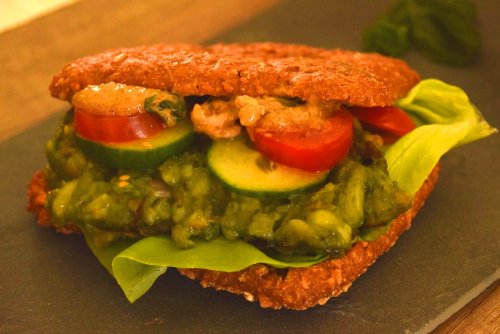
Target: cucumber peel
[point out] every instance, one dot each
(139, 154)
(246, 171)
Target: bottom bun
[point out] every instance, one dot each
(294, 288)
(302, 288)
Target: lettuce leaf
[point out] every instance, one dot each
(136, 265)
(446, 118)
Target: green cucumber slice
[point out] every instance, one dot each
(139, 154)
(246, 171)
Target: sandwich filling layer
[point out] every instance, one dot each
(187, 196)
(233, 162)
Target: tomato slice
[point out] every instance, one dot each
(116, 128)
(390, 122)
(313, 152)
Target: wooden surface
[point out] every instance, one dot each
(26, 70)
(14, 13)
(481, 315)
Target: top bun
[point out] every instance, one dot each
(256, 69)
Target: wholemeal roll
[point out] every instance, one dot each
(262, 69)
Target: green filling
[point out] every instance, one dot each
(184, 200)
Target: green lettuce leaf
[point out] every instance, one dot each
(446, 118)
(136, 265)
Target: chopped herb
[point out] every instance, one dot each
(170, 107)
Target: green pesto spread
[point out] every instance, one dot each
(183, 199)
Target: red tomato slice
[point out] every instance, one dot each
(116, 129)
(390, 122)
(313, 152)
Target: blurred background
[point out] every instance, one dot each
(16, 12)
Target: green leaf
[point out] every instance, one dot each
(413, 157)
(387, 37)
(443, 30)
(136, 265)
(433, 101)
(447, 119)
(390, 34)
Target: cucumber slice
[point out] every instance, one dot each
(139, 154)
(246, 171)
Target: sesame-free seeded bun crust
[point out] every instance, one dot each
(258, 69)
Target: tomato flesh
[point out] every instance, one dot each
(390, 122)
(116, 128)
(313, 152)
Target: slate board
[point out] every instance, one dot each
(52, 283)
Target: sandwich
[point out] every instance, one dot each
(273, 171)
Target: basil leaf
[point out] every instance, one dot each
(442, 30)
(387, 37)
(390, 35)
